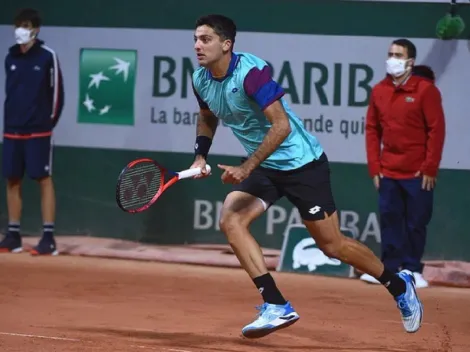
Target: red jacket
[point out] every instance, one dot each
(409, 122)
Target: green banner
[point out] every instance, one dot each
(189, 212)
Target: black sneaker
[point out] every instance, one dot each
(45, 247)
(11, 244)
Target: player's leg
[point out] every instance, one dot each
(394, 241)
(239, 210)
(39, 168)
(419, 208)
(401, 286)
(13, 169)
(241, 207)
(311, 190)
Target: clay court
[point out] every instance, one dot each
(70, 303)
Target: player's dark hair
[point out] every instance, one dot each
(223, 26)
(410, 47)
(28, 15)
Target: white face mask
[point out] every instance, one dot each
(396, 67)
(23, 35)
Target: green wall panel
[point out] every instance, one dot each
(85, 184)
(364, 18)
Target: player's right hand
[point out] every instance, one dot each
(200, 162)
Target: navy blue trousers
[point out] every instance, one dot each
(405, 212)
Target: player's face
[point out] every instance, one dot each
(209, 47)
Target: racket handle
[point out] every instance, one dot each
(192, 172)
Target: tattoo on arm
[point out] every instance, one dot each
(206, 124)
(278, 132)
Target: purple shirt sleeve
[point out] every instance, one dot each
(202, 103)
(259, 86)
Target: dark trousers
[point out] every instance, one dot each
(405, 212)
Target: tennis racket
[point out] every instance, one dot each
(143, 181)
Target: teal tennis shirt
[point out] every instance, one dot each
(239, 99)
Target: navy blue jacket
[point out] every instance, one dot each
(34, 91)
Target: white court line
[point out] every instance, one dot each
(76, 340)
(159, 349)
(38, 336)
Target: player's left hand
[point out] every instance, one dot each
(429, 182)
(233, 174)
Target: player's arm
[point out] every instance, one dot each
(206, 123)
(373, 138)
(206, 127)
(260, 86)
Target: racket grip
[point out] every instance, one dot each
(192, 172)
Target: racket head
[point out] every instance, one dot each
(139, 185)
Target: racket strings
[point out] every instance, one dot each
(139, 185)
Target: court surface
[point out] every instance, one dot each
(72, 304)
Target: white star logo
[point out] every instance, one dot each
(96, 79)
(89, 104)
(121, 67)
(105, 110)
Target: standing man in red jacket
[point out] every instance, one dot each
(405, 131)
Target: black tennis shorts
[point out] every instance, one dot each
(308, 188)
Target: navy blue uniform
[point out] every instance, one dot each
(33, 104)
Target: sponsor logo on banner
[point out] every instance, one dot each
(279, 220)
(325, 85)
(300, 254)
(107, 85)
(307, 254)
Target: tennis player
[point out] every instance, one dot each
(284, 159)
